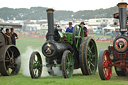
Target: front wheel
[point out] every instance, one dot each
(67, 64)
(105, 65)
(35, 65)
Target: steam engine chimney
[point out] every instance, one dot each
(50, 34)
(122, 16)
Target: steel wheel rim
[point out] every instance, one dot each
(107, 70)
(92, 56)
(37, 66)
(69, 65)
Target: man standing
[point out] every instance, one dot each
(8, 35)
(14, 36)
(84, 28)
(70, 28)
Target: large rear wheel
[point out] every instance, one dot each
(35, 65)
(88, 56)
(105, 65)
(10, 61)
(67, 64)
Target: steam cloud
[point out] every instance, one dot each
(25, 61)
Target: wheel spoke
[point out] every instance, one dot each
(104, 71)
(8, 54)
(12, 54)
(7, 61)
(90, 67)
(77, 31)
(89, 50)
(89, 59)
(35, 70)
(105, 65)
(93, 56)
(92, 47)
(38, 72)
(36, 58)
(92, 64)
(77, 43)
(88, 54)
(68, 65)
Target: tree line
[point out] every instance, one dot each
(38, 13)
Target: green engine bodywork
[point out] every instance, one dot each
(67, 37)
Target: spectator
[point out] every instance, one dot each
(84, 28)
(14, 36)
(8, 35)
(70, 28)
(1, 30)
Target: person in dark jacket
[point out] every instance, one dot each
(14, 36)
(84, 28)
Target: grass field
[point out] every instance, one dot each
(99, 36)
(77, 79)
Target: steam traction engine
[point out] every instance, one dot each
(116, 55)
(70, 51)
(9, 54)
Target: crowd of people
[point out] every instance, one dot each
(70, 28)
(11, 36)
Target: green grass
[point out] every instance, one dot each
(24, 42)
(77, 79)
(99, 36)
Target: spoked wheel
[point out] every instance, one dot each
(35, 65)
(10, 61)
(78, 34)
(120, 72)
(67, 64)
(104, 65)
(88, 56)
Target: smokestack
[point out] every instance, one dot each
(122, 16)
(50, 34)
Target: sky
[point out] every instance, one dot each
(73, 5)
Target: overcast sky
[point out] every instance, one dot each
(73, 5)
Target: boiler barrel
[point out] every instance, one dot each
(55, 49)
